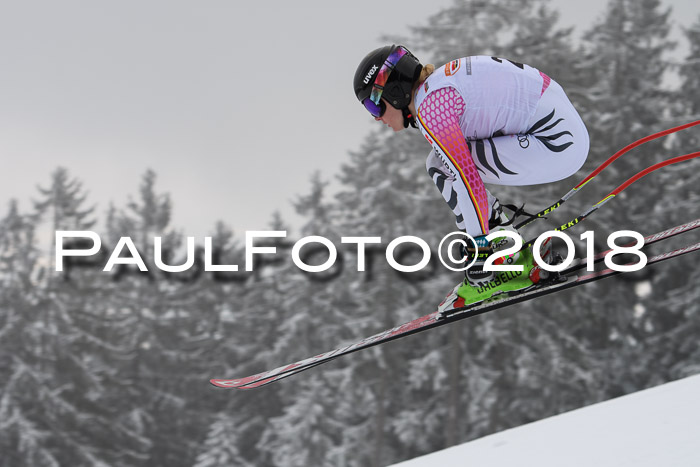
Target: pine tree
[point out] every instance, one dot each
(168, 321)
(61, 207)
(625, 54)
(307, 318)
(250, 337)
(24, 435)
(63, 203)
(667, 318)
(687, 98)
(145, 218)
(53, 374)
(626, 57)
(220, 445)
(387, 193)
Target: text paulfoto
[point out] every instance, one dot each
(73, 244)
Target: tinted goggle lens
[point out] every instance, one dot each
(375, 110)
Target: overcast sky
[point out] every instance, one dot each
(232, 104)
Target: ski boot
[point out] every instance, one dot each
(480, 286)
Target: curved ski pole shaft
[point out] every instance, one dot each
(617, 191)
(600, 168)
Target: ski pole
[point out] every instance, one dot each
(618, 190)
(600, 168)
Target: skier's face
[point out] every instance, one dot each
(392, 117)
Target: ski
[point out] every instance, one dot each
(569, 279)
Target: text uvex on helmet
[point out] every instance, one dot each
(388, 72)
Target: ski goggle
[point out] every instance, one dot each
(374, 104)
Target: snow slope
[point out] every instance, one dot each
(655, 427)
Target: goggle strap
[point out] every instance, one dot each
(385, 71)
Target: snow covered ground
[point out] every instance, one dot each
(656, 427)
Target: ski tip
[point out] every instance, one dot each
(224, 383)
(241, 384)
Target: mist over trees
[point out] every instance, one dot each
(112, 368)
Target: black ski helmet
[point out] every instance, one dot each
(401, 78)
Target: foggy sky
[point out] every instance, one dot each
(233, 105)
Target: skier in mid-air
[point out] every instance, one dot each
(488, 120)
(496, 121)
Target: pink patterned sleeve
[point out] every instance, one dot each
(438, 116)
